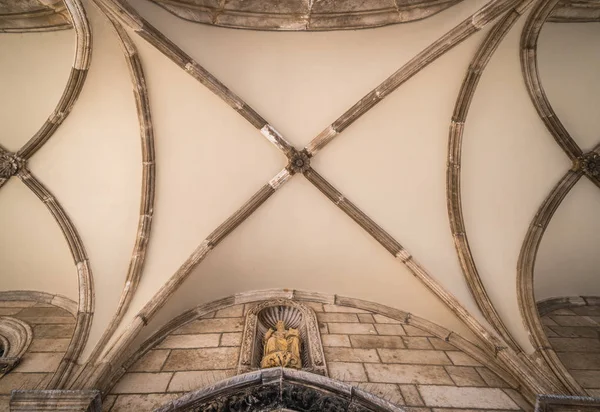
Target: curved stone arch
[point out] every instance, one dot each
(277, 388)
(15, 337)
(116, 369)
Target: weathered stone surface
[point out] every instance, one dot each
(49, 345)
(576, 360)
(372, 342)
(385, 319)
(417, 374)
(575, 344)
(53, 331)
(191, 341)
(129, 403)
(586, 310)
(187, 381)
(55, 400)
(235, 311)
(352, 328)
(411, 395)
(16, 380)
(152, 361)
(212, 326)
(389, 392)
(462, 359)
(365, 318)
(412, 331)
(9, 311)
(202, 359)
(575, 321)
(465, 376)
(39, 362)
(342, 309)
(336, 340)
(574, 331)
(231, 339)
(40, 312)
(491, 379)
(337, 317)
(389, 329)
(587, 379)
(453, 397)
(439, 344)
(347, 372)
(142, 383)
(107, 402)
(350, 355)
(423, 357)
(17, 303)
(417, 342)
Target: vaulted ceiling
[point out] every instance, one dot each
(146, 183)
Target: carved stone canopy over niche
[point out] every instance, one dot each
(282, 332)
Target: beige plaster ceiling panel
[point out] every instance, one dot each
(300, 240)
(568, 262)
(301, 82)
(33, 252)
(510, 163)
(392, 164)
(569, 64)
(32, 80)
(93, 166)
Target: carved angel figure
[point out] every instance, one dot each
(281, 347)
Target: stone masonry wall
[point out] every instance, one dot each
(400, 363)
(574, 334)
(52, 330)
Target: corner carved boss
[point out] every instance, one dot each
(589, 163)
(10, 164)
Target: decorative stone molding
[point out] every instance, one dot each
(279, 389)
(10, 164)
(556, 403)
(15, 337)
(299, 162)
(265, 315)
(55, 400)
(305, 15)
(590, 164)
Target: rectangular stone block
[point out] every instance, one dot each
(575, 321)
(188, 381)
(415, 374)
(410, 356)
(365, 318)
(546, 320)
(352, 328)
(49, 345)
(479, 398)
(55, 400)
(465, 376)
(316, 306)
(40, 320)
(335, 340)
(440, 344)
(15, 380)
(9, 311)
(151, 361)
(207, 340)
(461, 359)
(387, 391)
(413, 331)
(575, 344)
(37, 312)
(347, 372)
(374, 342)
(39, 362)
(231, 339)
(587, 379)
(212, 326)
(350, 355)
(389, 329)
(337, 317)
(202, 359)
(235, 311)
(53, 331)
(411, 395)
(385, 319)
(574, 331)
(587, 310)
(578, 360)
(16, 303)
(491, 379)
(142, 383)
(149, 402)
(342, 309)
(417, 342)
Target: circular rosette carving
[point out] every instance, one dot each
(299, 162)
(10, 165)
(590, 164)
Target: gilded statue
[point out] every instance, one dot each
(281, 347)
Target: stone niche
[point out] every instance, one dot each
(264, 316)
